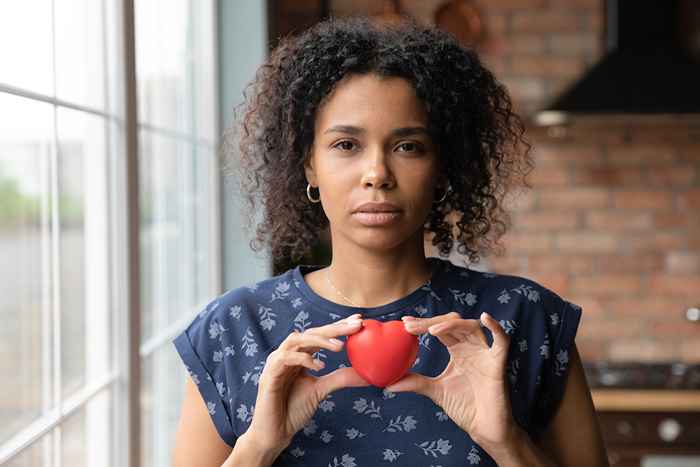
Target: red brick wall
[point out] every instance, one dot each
(613, 220)
(613, 223)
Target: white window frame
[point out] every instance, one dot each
(122, 291)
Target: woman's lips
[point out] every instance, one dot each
(376, 218)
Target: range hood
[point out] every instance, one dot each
(651, 64)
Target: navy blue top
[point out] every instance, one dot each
(225, 347)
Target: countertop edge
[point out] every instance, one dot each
(646, 400)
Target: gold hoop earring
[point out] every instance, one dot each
(308, 194)
(447, 190)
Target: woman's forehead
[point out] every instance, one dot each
(369, 101)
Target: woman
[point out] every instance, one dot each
(384, 135)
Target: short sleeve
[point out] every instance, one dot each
(198, 345)
(561, 322)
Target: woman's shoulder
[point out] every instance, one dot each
(263, 292)
(502, 290)
(246, 311)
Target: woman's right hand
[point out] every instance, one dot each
(288, 396)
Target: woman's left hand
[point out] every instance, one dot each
(472, 389)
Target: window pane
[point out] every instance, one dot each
(25, 45)
(163, 63)
(114, 57)
(203, 207)
(162, 392)
(85, 436)
(204, 69)
(168, 191)
(26, 140)
(83, 209)
(80, 52)
(37, 455)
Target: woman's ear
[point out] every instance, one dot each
(309, 169)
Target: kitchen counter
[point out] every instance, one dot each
(646, 400)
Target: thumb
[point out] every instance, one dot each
(413, 382)
(338, 379)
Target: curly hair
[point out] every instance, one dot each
(470, 118)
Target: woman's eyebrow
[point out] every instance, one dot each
(354, 130)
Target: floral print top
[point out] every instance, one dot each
(225, 347)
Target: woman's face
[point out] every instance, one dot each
(371, 145)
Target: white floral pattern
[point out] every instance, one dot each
(327, 405)
(433, 448)
(473, 456)
(508, 325)
(253, 375)
(235, 312)
(560, 363)
(361, 406)
(248, 344)
(301, 322)
(391, 454)
(245, 413)
(528, 291)
(401, 424)
(353, 433)
(267, 321)
(464, 297)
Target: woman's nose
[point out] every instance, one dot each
(378, 178)
(378, 174)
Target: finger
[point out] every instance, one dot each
(280, 364)
(344, 327)
(463, 330)
(415, 382)
(421, 325)
(501, 340)
(285, 359)
(297, 339)
(310, 343)
(338, 379)
(444, 334)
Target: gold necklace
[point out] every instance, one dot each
(328, 278)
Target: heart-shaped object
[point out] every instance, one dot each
(382, 352)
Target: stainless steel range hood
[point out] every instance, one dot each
(651, 64)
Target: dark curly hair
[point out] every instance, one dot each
(479, 138)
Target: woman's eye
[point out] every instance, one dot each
(406, 147)
(413, 147)
(346, 147)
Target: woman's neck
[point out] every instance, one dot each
(358, 277)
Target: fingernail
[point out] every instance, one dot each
(408, 318)
(354, 322)
(335, 341)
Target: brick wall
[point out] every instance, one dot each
(613, 220)
(613, 223)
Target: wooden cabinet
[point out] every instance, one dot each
(630, 436)
(639, 425)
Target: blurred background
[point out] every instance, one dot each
(117, 225)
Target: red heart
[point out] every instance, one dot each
(382, 352)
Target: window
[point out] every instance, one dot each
(64, 136)
(175, 44)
